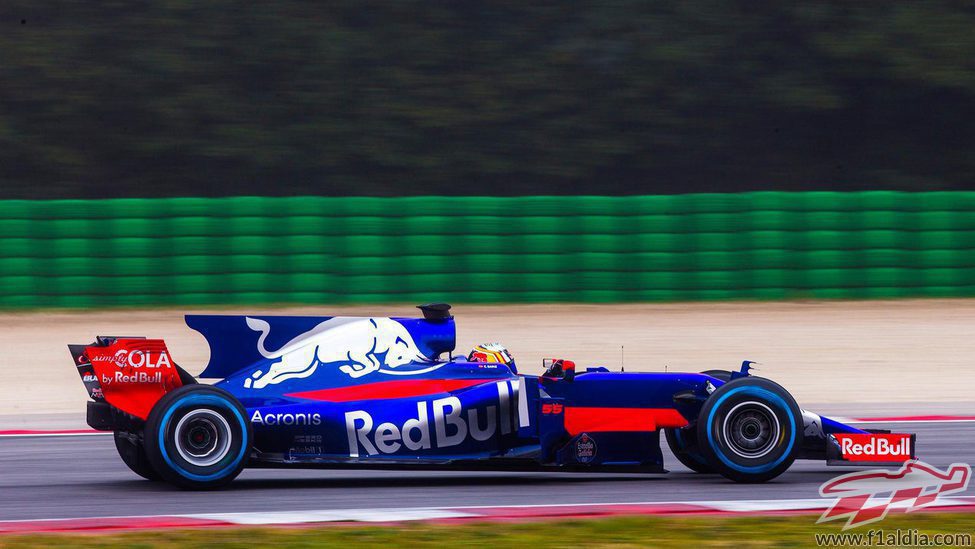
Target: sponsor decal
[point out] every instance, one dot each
(133, 374)
(89, 377)
(306, 445)
(308, 439)
(865, 497)
(285, 419)
(135, 377)
(875, 447)
(451, 426)
(82, 359)
(357, 347)
(552, 409)
(96, 392)
(585, 449)
(137, 359)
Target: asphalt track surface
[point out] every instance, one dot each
(48, 477)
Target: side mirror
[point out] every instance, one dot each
(569, 369)
(559, 368)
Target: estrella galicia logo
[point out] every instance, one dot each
(585, 449)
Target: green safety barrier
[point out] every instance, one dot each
(239, 250)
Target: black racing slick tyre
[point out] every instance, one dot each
(683, 444)
(723, 375)
(750, 430)
(133, 454)
(198, 437)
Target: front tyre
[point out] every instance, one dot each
(198, 437)
(750, 430)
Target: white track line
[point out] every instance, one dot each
(332, 515)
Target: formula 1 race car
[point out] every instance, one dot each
(347, 392)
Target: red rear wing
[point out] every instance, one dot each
(131, 374)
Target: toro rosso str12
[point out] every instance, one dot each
(340, 392)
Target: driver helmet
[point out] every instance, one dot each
(494, 353)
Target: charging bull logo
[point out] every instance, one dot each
(357, 346)
(866, 496)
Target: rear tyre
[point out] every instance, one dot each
(197, 437)
(133, 454)
(750, 430)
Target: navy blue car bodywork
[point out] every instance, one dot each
(334, 392)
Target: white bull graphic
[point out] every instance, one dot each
(364, 345)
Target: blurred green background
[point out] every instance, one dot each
(758, 245)
(225, 152)
(217, 98)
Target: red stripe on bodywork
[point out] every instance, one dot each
(590, 420)
(391, 389)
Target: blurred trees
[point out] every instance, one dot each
(174, 97)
